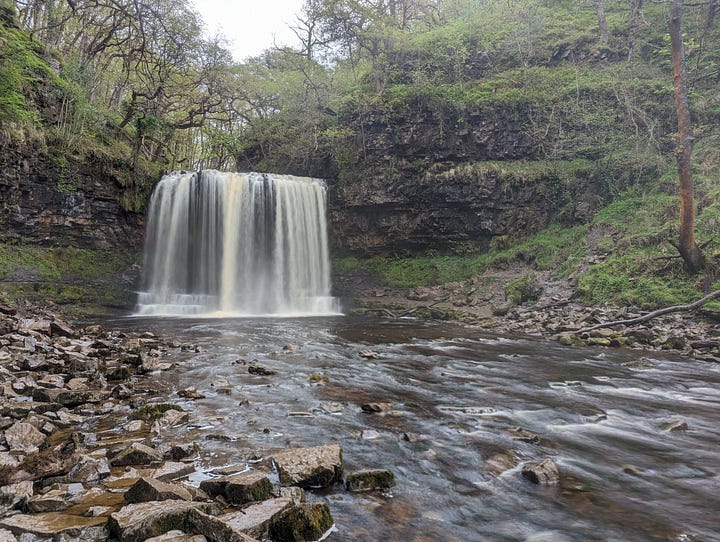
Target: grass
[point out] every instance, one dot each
(623, 257)
(60, 263)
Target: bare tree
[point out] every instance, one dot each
(691, 254)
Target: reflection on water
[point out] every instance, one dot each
(458, 397)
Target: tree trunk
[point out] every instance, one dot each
(635, 11)
(687, 247)
(602, 22)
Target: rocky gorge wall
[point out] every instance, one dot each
(74, 202)
(431, 180)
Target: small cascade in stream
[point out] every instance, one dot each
(236, 244)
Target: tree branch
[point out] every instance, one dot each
(661, 312)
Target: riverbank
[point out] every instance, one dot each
(554, 313)
(85, 454)
(97, 421)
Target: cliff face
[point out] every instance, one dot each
(429, 180)
(73, 202)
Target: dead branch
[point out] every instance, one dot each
(660, 312)
(408, 312)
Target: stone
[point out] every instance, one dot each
(182, 451)
(7, 536)
(149, 489)
(524, 435)
(140, 521)
(15, 495)
(23, 437)
(368, 354)
(133, 426)
(172, 470)
(373, 408)
(294, 493)
(305, 522)
(543, 472)
(312, 467)
(173, 417)
(259, 370)
(239, 488)
(69, 398)
(89, 469)
(55, 525)
(177, 536)
(248, 487)
(97, 511)
(369, 480)
(58, 328)
(221, 531)
(255, 519)
(136, 454)
(414, 437)
(191, 393)
(52, 501)
(675, 425)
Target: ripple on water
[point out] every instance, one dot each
(456, 396)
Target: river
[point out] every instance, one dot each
(458, 394)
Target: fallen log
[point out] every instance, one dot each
(651, 315)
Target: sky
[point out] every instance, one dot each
(250, 25)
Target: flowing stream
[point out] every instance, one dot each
(459, 394)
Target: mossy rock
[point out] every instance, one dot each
(369, 480)
(304, 522)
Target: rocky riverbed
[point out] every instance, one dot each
(84, 448)
(82, 458)
(555, 314)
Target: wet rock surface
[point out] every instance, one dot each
(59, 480)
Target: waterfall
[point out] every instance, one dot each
(236, 244)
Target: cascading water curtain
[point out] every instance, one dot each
(236, 244)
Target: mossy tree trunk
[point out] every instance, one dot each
(691, 254)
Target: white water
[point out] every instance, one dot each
(236, 244)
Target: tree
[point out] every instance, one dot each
(691, 254)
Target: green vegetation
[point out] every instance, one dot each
(594, 114)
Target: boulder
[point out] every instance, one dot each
(7, 536)
(136, 454)
(53, 501)
(55, 525)
(138, 522)
(304, 522)
(239, 488)
(15, 495)
(172, 470)
(23, 437)
(89, 469)
(369, 480)
(313, 467)
(58, 328)
(181, 451)
(253, 520)
(149, 489)
(543, 472)
(216, 529)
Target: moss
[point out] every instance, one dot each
(304, 522)
(524, 290)
(368, 480)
